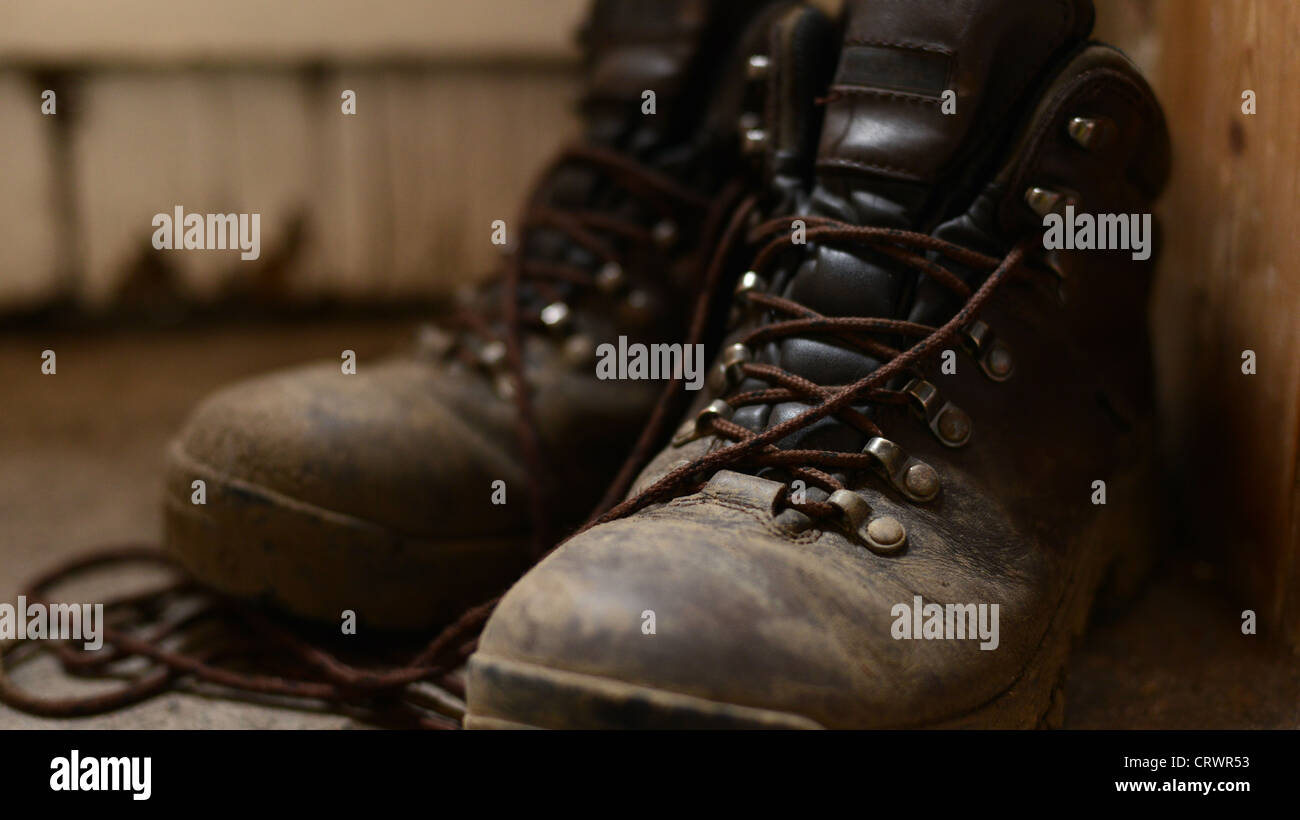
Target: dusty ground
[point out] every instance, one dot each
(81, 456)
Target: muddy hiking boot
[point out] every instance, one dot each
(929, 436)
(381, 491)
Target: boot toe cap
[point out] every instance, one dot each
(324, 492)
(745, 617)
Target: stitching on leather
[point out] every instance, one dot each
(905, 96)
(864, 41)
(910, 171)
(868, 166)
(808, 536)
(947, 52)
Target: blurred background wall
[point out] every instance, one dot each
(236, 107)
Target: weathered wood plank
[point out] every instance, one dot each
(1229, 280)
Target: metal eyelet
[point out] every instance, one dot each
(949, 423)
(753, 141)
(910, 476)
(433, 342)
(993, 355)
(693, 429)
(757, 67)
(578, 350)
(504, 384)
(493, 355)
(557, 317)
(664, 233)
(853, 507)
(730, 369)
(492, 358)
(975, 336)
(742, 309)
(1092, 133)
(636, 308)
(610, 278)
(749, 282)
(1044, 201)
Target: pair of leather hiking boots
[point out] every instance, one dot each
(926, 439)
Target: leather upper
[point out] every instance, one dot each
(761, 606)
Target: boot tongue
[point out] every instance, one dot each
(890, 117)
(630, 47)
(890, 157)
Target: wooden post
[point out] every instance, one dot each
(1229, 280)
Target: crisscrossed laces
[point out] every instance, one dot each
(592, 231)
(759, 449)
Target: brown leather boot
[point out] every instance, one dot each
(377, 491)
(891, 514)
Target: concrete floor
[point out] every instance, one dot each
(82, 458)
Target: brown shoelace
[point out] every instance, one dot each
(140, 626)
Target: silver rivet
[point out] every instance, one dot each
(665, 233)
(953, 426)
(749, 282)
(492, 355)
(433, 341)
(555, 315)
(638, 300)
(922, 480)
(1091, 133)
(1044, 201)
(756, 67)
(636, 308)
(754, 141)
(505, 386)
(578, 349)
(610, 277)
(885, 535)
(999, 362)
